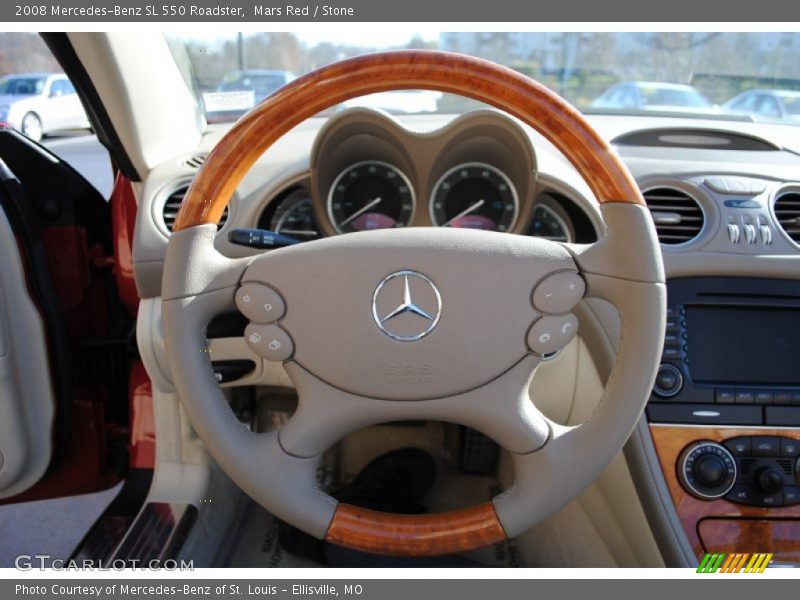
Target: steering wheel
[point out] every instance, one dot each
(421, 323)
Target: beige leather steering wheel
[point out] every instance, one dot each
(420, 323)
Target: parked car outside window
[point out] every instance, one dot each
(39, 104)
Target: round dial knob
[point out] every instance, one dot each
(669, 381)
(707, 470)
(769, 480)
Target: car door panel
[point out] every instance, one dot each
(27, 405)
(60, 228)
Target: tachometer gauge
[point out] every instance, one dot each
(370, 195)
(475, 196)
(550, 221)
(295, 217)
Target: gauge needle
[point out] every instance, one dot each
(465, 212)
(360, 211)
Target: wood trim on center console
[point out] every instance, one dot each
(720, 519)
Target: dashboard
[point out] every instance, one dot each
(724, 195)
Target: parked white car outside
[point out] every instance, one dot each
(38, 104)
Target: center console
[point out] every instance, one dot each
(725, 413)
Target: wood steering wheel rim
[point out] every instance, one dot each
(498, 86)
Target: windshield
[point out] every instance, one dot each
(22, 86)
(627, 73)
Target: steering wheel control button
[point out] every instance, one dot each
(260, 303)
(669, 381)
(550, 334)
(406, 306)
(559, 293)
(707, 470)
(269, 341)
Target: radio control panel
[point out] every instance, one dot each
(728, 353)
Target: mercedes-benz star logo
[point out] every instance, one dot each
(406, 306)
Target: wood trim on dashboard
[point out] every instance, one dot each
(732, 536)
(696, 515)
(498, 86)
(415, 535)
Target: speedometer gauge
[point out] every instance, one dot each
(475, 196)
(370, 195)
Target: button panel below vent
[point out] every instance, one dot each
(173, 203)
(678, 217)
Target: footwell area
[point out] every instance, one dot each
(258, 544)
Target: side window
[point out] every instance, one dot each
(615, 97)
(58, 88)
(747, 103)
(768, 106)
(61, 126)
(628, 99)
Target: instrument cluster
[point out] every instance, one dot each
(369, 172)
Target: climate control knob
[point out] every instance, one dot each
(769, 480)
(707, 470)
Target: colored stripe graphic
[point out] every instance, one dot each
(735, 563)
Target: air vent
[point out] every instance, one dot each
(746, 464)
(787, 211)
(678, 216)
(787, 464)
(196, 161)
(173, 203)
